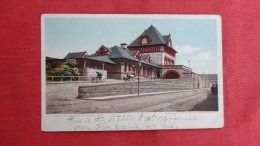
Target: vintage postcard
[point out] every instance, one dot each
(131, 72)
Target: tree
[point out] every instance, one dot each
(71, 62)
(49, 69)
(68, 68)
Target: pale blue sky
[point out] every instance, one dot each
(194, 39)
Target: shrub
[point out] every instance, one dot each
(71, 62)
(68, 68)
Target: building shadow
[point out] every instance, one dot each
(209, 104)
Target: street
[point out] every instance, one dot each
(201, 100)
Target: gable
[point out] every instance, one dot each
(102, 51)
(167, 39)
(76, 55)
(135, 54)
(147, 57)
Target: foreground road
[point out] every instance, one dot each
(148, 103)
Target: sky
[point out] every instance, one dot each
(195, 40)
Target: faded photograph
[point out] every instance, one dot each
(119, 65)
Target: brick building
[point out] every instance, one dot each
(153, 50)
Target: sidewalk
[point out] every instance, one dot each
(131, 95)
(107, 81)
(103, 82)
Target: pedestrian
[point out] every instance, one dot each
(99, 75)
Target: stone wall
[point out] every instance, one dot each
(132, 87)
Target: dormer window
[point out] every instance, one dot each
(144, 41)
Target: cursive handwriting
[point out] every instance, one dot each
(127, 121)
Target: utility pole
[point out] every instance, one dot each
(205, 81)
(192, 81)
(204, 78)
(139, 65)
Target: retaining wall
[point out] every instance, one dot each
(132, 87)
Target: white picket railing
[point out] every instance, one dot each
(66, 78)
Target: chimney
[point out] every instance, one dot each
(124, 46)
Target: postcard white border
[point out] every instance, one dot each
(207, 119)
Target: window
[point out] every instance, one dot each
(144, 41)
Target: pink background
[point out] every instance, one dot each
(20, 85)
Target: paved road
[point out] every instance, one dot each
(148, 103)
(210, 104)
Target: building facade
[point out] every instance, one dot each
(150, 53)
(159, 48)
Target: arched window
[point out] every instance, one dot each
(144, 41)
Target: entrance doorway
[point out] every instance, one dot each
(171, 74)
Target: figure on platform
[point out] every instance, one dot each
(99, 75)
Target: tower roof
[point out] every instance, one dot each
(155, 36)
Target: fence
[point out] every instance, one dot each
(177, 67)
(65, 78)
